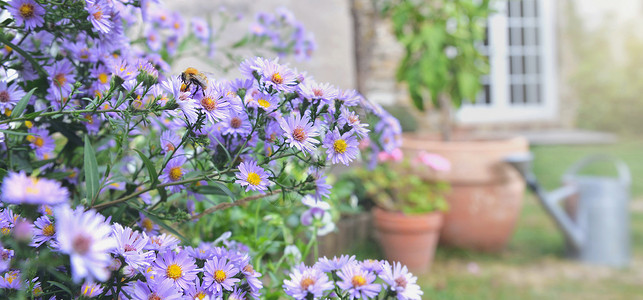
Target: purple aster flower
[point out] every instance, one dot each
(170, 141)
(91, 289)
(99, 15)
(153, 39)
(300, 133)
(322, 188)
(239, 84)
(5, 258)
(199, 291)
(213, 101)
(9, 96)
(276, 76)
(401, 281)
(318, 91)
(307, 281)
(27, 12)
(218, 274)
(37, 288)
(200, 29)
(44, 231)
(253, 177)
(62, 78)
(372, 265)
(174, 172)
(162, 242)
(18, 188)
(202, 252)
(86, 237)
(251, 276)
(156, 288)
(179, 267)
(11, 280)
(358, 282)
(351, 119)
(130, 245)
(237, 294)
(187, 105)
(41, 142)
(266, 102)
(236, 124)
(148, 226)
(328, 265)
(121, 68)
(349, 97)
(317, 211)
(341, 147)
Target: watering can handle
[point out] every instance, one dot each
(621, 167)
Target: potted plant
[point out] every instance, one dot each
(441, 67)
(408, 209)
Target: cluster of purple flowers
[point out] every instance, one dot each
(149, 265)
(284, 31)
(346, 278)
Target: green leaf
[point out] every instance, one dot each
(22, 104)
(215, 188)
(91, 171)
(61, 286)
(14, 132)
(165, 226)
(151, 170)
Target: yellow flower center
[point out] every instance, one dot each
(8, 49)
(89, 289)
(208, 103)
(38, 141)
(102, 77)
(147, 224)
(26, 10)
(12, 276)
(253, 178)
(29, 124)
(48, 230)
(220, 276)
(98, 15)
(276, 78)
(200, 296)
(358, 280)
(174, 271)
(37, 291)
(263, 103)
(339, 146)
(306, 282)
(176, 173)
(48, 211)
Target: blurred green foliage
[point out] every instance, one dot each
(440, 40)
(608, 84)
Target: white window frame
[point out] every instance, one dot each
(501, 110)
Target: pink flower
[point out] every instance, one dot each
(395, 155)
(434, 161)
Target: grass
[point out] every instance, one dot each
(533, 265)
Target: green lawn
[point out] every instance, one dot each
(534, 266)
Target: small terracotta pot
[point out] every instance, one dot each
(409, 239)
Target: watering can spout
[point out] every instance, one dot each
(549, 200)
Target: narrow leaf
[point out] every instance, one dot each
(91, 171)
(61, 286)
(151, 170)
(165, 226)
(21, 105)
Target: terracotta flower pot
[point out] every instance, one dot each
(486, 193)
(409, 239)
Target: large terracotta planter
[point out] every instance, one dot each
(409, 239)
(486, 193)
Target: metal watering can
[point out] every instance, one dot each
(597, 226)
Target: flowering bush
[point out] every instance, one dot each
(93, 127)
(396, 184)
